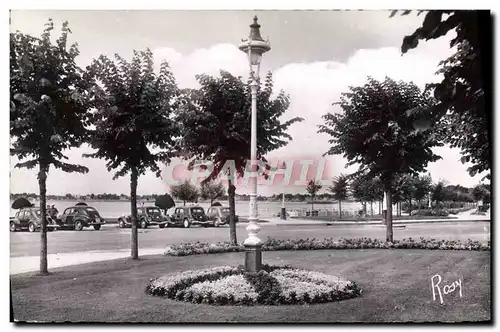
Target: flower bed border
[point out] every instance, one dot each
(197, 248)
(266, 284)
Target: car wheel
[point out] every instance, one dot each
(31, 227)
(97, 227)
(186, 223)
(78, 225)
(216, 222)
(144, 224)
(121, 224)
(162, 225)
(13, 227)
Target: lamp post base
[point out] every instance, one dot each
(283, 213)
(253, 258)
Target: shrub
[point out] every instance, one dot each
(328, 243)
(431, 213)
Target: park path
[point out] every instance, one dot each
(32, 263)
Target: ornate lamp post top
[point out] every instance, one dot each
(255, 45)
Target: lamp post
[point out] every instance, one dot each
(283, 210)
(254, 47)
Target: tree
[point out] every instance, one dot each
(216, 127)
(339, 189)
(375, 132)
(398, 195)
(423, 185)
(312, 189)
(185, 192)
(438, 192)
(366, 189)
(135, 129)
(480, 193)
(211, 191)
(164, 202)
(408, 189)
(462, 100)
(48, 109)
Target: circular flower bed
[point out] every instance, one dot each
(273, 285)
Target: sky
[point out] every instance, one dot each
(314, 57)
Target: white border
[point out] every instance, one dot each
(191, 5)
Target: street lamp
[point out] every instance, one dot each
(254, 47)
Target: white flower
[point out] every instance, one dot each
(235, 285)
(171, 280)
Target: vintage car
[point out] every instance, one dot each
(30, 218)
(189, 215)
(219, 215)
(146, 216)
(79, 216)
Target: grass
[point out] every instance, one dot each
(396, 288)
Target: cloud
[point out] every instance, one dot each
(203, 61)
(312, 87)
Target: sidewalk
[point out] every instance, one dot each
(32, 263)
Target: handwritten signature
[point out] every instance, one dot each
(445, 289)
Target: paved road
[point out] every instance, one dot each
(110, 237)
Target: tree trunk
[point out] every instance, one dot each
(409, 208)
(42, 183)
(371, 208)
(232, 213)
(340, 209)
(184, 203)
(312, 205)
(134, 248)
(389, 235)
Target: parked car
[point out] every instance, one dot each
(147, 216)
(79, 216)
(219, 215)
(30, 218)
(189, 215)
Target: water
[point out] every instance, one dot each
(115, 209)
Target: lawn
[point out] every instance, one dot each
(396, 288)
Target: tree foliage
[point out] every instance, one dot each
(340, 187)
(462, 102)
(211, 191)
(366, 189)
(340, 190)
(134, 120)
(423, 185)
(438, 193)
(375, 131)
(186, 192)
(135, 129)
(479, 192)
(216, 126)
(164, 202)
(48, 108)
(312, 189)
